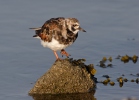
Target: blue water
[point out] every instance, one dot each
(112, 29)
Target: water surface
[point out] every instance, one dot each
(112, 29)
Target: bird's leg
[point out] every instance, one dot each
(63, 52)
(57, 58)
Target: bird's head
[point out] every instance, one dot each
(73, 25)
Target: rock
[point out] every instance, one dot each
(64, 77)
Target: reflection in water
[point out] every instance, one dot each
(120, 84)
(75, 96)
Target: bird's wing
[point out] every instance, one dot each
(54, 27)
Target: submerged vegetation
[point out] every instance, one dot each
(125, 59)
(107, 63)
(120, 81)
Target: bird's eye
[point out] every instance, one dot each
(75, 25)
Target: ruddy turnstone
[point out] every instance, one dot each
(58, 33)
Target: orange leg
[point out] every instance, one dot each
(63, 52)
(57, 58)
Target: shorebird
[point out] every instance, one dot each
(58, 33)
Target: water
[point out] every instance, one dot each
(112, 29)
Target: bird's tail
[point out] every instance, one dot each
(37, 31)
(35, 28)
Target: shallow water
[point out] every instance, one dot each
(112, 30)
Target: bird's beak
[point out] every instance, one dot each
(81, 29)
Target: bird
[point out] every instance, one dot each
(58, 33)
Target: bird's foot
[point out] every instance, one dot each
(58, 59)
(63, 52)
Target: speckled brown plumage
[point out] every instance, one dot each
(58, 33)
(54, 27)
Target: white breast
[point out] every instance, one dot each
(54, 45)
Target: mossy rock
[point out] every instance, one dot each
(64, 77)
